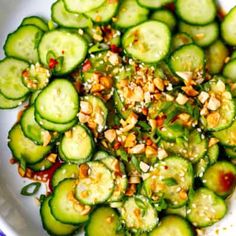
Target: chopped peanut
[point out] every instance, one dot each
(46, 138)
(110, 135)
(97, 88)
(92, 125)
(212, 142)
(190, 91)
(130, 141)
(131, 190)
(21, 171)
(213, 104)
(83, 118)
(83, 171)
(183, 195)
(138, 149)
(144, 167)
(68, 133)
(52, 157)
(185, 75)
(162, 153)
(134, 180)
(86, 108)
(181, 99)
(106, 81)
(150, 151)
(203, 96)
(158, 82)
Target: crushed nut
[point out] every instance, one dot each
(130, 141)
(110, 135)
(52, 157)
(83, 171)
(203, 96)
(86, 108)
(181, 99)
(213, 103)
(138, 149)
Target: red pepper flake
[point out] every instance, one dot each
(25, 73)
(13, 161)
(160, 120)
(166, 167)
(170, 6)
(117, 145)
(63, 52)
(227, 181)
(115, 49)
(52, 63)
(87, 66)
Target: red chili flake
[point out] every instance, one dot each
(149, 142)
(63, 52)
(227, 181)
(52, 63)
(25, 73)
(115, 49)
(13, 161)
(221, 13)
(87, 66)
(170, 6)
(117, 145)
(160, 120)
(107, 30)
(166, 167)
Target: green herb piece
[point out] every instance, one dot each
(30, 189)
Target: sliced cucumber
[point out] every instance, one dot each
(228, 29)
(68, 19)
(202, 35)
(213, 153)
(11, 85)
(97, 187)
(229, 70)
(194, 12)
(118, 171)
(215, 57)
(148, 42)
(41, 166)
(78, 146)
(182, 211)
(171, 178)
(6, 103)
(37, 21)
(64, 172)
(64, 205)
(205, 208)
(180, 39)
(104, 13)
(62, 50)
(227, 137)
(81, 6)
(51, 126)
(100, 155)
(188, 59)
(201, 166)
(58, 102)
(230, 152)
(138, 214)
(33, 97)
(103, 216)
(31, 128)
(221, 117)
(193, 149)
(153, 4)
(51, 225)
(220, 178)
(130, 14)
(23, 43)
(173, 224)
(164, 16)
(23, 149)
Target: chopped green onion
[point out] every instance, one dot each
(30, 189)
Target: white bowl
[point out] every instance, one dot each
(19, 216)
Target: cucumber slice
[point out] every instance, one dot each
(104, 13)
(194, 12)
(6, 103)
(48, 125)
(188, 58)
(202, 35)
(227, 136)
(182, 211)
(201, 166)
(58, 102)
(229, 70)
(130, 14)
(23, 149)
(31, 128)
(220, 178)
(213, 153)
(193, 149)
(215, 57)
(230, 152)
(166, 17)
(103, 216)
(78, 146)
(98, 111)
(180, 39)
(171, 178)
(221, 117)
(228, 29)
(51, 225)
(64, 205)
(65, 171)
(173, 224)
(154, 4)
(148, 42)
(35, 20)
(118, 171)
(138, 214)
(67, 19)
(205, 208)
(41, 166)
(97, 187)
(23, 43)
(33, 97)
(100, 155)
(81, 6)
(11, 85)
(62, 50)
